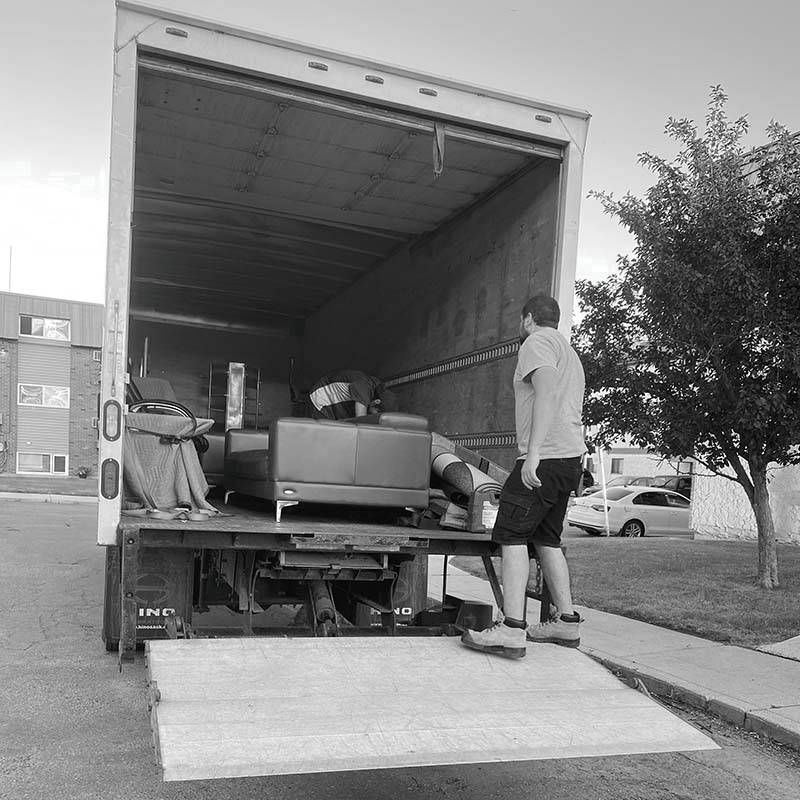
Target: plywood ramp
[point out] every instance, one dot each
(228, 708)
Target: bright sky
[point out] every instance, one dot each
(631, 63)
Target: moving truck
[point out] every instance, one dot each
(275, 203)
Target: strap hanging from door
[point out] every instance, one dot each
(438, 148)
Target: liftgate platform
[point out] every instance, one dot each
(227, 708)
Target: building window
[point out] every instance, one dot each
(44, 328)
(34, 394)
(41, 464)
(616, 466)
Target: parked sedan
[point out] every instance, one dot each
(632, 511)
(620, 480)
(682, 484)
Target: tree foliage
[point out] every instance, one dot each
(693, 348)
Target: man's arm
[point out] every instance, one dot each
(543, 381)
(362, 391)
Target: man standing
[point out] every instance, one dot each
(347, 393)
(548, 401)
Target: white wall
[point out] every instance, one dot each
(640, 463)
(720, 508)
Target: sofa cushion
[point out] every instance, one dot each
(388, 457)
(237, 440)
(313, 451)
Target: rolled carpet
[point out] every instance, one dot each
(461, 480)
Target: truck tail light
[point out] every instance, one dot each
(109, 478)
(112, 420)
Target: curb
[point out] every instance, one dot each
(765, 722)
(61, 499)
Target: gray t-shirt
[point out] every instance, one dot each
(546, 347)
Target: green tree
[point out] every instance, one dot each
(693, 347)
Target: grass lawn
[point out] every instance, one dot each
(706, 588)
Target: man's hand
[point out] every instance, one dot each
(529, 476)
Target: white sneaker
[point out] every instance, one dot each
(557, 631)
(498, 640)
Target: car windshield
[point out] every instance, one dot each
(663, 480)
(617, 493)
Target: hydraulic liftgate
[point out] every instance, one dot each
(227, 708)
(235, 707)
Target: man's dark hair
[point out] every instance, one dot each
(544, 310)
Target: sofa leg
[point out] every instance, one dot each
(228, 493)
(281, 504)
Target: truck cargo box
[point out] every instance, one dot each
(271, 200)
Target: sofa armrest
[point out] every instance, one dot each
(392, 419)
(237, 441)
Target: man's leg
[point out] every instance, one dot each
(565, 628)
(507, 638)
(556, 573)
(516, 568)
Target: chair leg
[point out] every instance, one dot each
(228, 493)
(281, 504)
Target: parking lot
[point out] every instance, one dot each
(74, 727)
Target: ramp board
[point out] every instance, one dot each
(228, 708)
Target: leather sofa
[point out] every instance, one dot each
(377, 460)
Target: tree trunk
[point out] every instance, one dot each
(767, 552)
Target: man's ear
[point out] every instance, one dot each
(527, 322)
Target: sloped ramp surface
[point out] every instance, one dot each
(229, 708)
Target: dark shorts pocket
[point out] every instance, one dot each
(519, 513)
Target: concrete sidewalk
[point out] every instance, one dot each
(48, 489)
(755, 690)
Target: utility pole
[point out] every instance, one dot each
(10, 253)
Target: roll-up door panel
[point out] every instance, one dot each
(43, 363)
(42, 430)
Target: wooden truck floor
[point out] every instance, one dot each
(296, 526)
(226, 708)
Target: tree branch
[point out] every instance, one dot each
(731, 478)
(736, 464)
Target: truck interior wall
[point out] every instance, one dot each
(458, 290)
(182, 355)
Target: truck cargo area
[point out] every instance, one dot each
(272, 222)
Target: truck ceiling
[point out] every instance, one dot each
(293, 194)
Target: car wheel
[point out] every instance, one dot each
(632, 528)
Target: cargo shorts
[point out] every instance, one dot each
(536, 516)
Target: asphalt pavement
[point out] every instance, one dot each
(73, 726)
